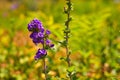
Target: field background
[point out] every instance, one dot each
(94, 40)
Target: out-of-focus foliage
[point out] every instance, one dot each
(94, 39)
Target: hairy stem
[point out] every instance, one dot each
(66, 32)
(44, 63)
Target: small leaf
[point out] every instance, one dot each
(70, 18)
(71, 69)
(67, 31)
(63, 43)
(113, 78)
(65, 10)
(70, 52)
(63, 58)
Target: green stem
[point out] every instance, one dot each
(44, 63)
(67, 31)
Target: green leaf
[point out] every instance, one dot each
(63, 58)
(71, 69)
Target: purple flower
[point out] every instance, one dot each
(41, 41)
(48, 42)
(51, 45)
(35, 26)
(41, 30)
(39, 35)
(36, 41)
(40, 54)
(48, 32)
(34, 35)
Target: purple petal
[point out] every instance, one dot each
(35, 26)
(40, 53)
(34, 35)
(48, 42)
(51, 45)
(48, 32)
(41, 35)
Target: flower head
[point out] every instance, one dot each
(35, 25)
(39, 35)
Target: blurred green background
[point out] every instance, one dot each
(94, 41)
